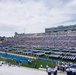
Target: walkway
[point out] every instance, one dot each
(15, 70)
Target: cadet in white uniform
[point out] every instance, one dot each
(49, 71)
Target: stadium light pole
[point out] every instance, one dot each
(24, 30)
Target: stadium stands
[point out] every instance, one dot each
(55, 42)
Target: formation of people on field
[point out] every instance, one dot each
(69, 68)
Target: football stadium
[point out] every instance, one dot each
(55, 48)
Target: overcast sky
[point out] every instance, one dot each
(33, 16)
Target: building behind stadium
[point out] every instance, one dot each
(56, 37)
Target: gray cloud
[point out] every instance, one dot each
(35, 15)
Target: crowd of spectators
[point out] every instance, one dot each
(51, 40)
(69, 68)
